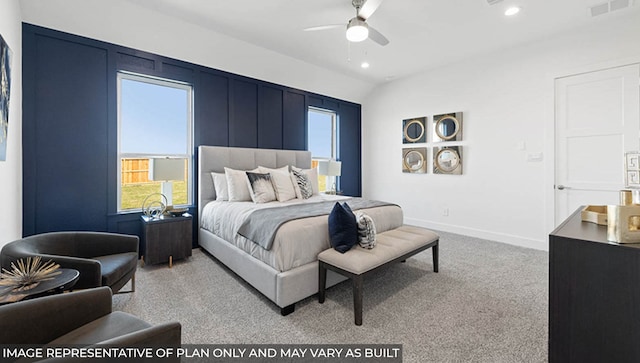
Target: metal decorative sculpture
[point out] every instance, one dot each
(154, 208)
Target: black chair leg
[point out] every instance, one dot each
(357, 299)
(322, 281)
(434, 250)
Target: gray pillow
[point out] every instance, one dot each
(366, 231)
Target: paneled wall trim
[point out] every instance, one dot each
(70, 125)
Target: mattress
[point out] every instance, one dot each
(296, 242)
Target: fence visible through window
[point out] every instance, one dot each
(136, 185)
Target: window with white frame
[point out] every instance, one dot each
(322, 126)
(155, 118)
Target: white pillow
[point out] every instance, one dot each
(312, 174)
(282, 183)
(220, 185)
(237, 184)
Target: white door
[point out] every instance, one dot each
(597, 121)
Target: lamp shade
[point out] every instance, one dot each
(357, 30)
(329, 167)
(166, 169)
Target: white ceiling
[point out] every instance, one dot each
(423, 34)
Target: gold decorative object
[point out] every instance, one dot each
(626, 197)
(27, 275)
(414, 130)
(414, 160)
(447, 127)
(595, 214)
(447, 160)
(623, 223)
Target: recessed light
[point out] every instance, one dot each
(512, 11)
(364, 65)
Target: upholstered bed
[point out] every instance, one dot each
(286, 272)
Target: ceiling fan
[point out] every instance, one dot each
(357, 28)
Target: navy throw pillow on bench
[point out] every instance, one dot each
(343, 228)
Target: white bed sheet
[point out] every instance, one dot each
(297, 242)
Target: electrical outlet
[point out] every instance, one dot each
(445, 212)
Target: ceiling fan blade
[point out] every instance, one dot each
(377, 37)
(369, 7)
(324, 27)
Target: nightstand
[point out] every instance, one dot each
(166, 239)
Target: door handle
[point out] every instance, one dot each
(561, 187)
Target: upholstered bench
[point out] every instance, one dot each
(391, 246)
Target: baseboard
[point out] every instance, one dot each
(479, 233)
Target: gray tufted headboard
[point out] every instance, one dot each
(215, 158)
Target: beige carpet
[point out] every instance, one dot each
(488, 303)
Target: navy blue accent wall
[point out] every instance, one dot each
(70, 125)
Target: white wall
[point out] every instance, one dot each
(11, 169)
(507, 98)
(125, 23)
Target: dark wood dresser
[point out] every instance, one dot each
(594, 295)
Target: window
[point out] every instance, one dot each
(322, 140)
(155, 118)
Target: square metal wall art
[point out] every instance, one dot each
(414, 130)
(447, 160)
(414, 160)
(447, 127)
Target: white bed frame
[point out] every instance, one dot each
(283, 288)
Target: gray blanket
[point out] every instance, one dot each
(262, 224)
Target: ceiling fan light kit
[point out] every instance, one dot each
(357, 30)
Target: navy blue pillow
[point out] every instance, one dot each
(343, 228)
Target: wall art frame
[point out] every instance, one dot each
(447, 160)
(632, 169)
(414, 160)
(447, 127)
(414, 130)
(5, 92)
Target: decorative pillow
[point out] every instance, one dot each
(304, 184)
(366, 231)
(237, 184)
(312, 174)
(282, 183)
(260, 187)
(343, 228)
(220, 185)
(296, 187)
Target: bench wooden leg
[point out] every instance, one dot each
(434, 250)
(287, 309)
(322, 281)
(357, 299)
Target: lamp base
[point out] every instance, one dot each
(167, 190)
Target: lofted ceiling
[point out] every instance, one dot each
(423, 34)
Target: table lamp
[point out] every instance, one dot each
(166, 170)
(330, 168)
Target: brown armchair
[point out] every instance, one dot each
(103, 259)
(80, 318)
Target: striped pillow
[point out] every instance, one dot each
(306, 190)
